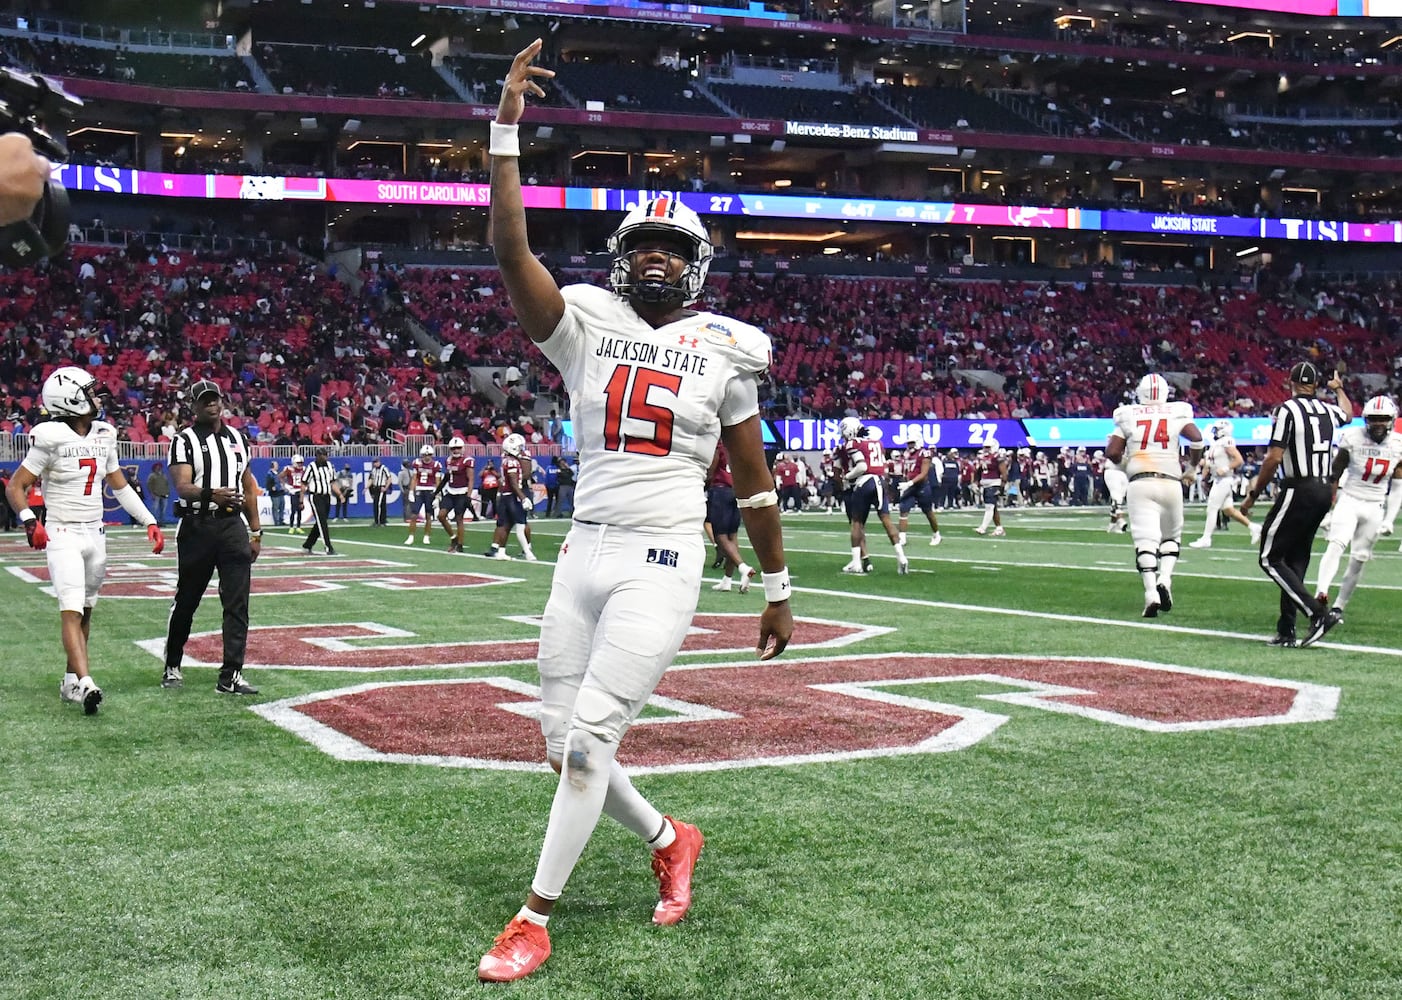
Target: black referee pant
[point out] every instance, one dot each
(205, 544)
(1287, 537)
(321, 509)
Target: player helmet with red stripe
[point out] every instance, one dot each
(665, 224)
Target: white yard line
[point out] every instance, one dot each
(1088, 620)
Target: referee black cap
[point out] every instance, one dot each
(204, 387)
(321, 453)
(1304, 373)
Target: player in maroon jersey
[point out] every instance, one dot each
(514, 499)
(425, 474)
(917, 468)
(862, 463)
(992, 472)
(723, 515)
(456, 487)
(786, 477)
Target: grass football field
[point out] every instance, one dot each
(989, 778)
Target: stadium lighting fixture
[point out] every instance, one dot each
(750, 234)
(418, 40)
(1391, 41)
(1248, 251)
(1179, 92)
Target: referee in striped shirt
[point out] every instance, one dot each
(1302, 434)
(215, 493)
(321, 485)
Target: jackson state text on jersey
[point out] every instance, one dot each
(72, 467)
(1371, 465)
(646, 403)
(1151, 432)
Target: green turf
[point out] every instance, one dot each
(180, 846)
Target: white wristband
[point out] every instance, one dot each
(27, 515)
(776, 586)
(505, 140)
(767, 499)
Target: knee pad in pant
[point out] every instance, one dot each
(1146, 561)
(1169, 547)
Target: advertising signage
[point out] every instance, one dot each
(113, 180)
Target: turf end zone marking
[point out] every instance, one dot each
(725, 716)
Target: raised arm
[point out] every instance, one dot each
(534, 295)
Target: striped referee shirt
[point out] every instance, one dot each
(217, 460)
(319, 477)
(1304, 428)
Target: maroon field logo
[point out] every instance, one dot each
(709, 716)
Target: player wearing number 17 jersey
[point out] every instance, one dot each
(1145, 440)
(1369, 462)
(75, 454)
(653, 386)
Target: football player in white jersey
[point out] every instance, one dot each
(1220, 466)
(1372, 457)
(1145, 443)
(1117, 486)
(654, 386)
(75, 453)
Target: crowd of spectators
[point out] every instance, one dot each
(307, 361)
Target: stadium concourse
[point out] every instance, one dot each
(308, 360)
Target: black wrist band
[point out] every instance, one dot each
(206, 495)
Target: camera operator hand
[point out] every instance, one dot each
(23, 174)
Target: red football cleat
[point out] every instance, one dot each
(673, 867)
(516, 953)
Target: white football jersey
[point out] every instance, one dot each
(1151, 432)
(1370, 465)
(72, 468)
(1219, 458)
(648, 405)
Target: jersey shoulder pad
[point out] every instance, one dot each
(101, 428)
(748, 347)
(50, 433)
(1182, 410)
(591, 299)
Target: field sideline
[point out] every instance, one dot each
(987, 779)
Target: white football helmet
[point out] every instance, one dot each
(457, 444)
(1221, 430)
(849, 428)
(1379, 416)
(298, 460)
(426, 451)
(514, 445)
(70, 392)
(661, 215)
(1152, 388)
(1099, 453)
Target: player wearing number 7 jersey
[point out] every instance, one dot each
(75, 454)
(1145, 443)
(653, 386)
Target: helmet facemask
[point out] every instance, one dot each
(663, 226)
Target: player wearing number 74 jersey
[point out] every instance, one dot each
(1145, 441)
(653, 386)
(75, 454)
